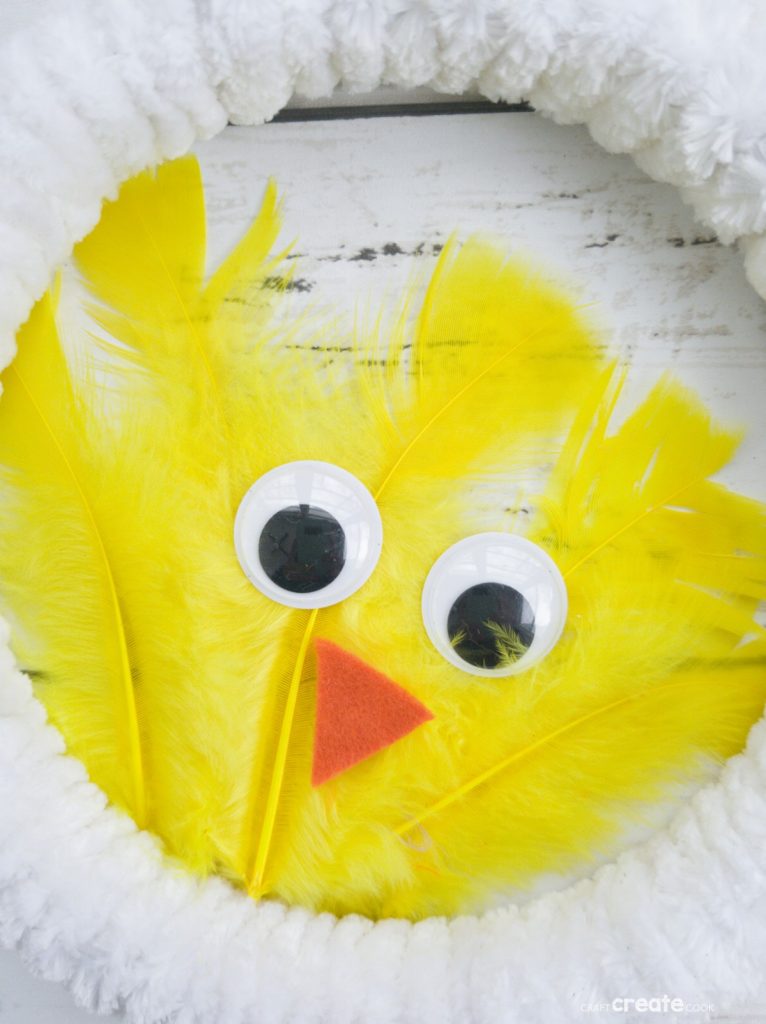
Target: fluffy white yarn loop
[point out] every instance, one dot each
(105, 88)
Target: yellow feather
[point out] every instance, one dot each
(487, 404)
(485, 327)
(181, 466)
(62, 602)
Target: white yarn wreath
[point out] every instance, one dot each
(99, 91)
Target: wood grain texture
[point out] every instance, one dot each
(371, 201)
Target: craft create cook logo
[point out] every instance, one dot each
(647, 1004)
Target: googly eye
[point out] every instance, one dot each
(494, 604)
(308, 534)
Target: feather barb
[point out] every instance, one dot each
(544, 741)
(46, 323)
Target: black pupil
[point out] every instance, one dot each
(302, 548)
(491, 625)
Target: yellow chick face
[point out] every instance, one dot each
(333, 755)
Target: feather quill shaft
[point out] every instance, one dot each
(663, 503)
(568, 728)
(449, 404)
(256, 873)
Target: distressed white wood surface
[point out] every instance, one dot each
(369, 200)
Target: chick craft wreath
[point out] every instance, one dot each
(165, 852)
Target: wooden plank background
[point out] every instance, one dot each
(370, 200)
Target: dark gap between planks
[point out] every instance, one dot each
(349, 113)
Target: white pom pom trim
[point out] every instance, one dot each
(102, 90)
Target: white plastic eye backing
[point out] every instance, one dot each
(308, 534)
(494, 604)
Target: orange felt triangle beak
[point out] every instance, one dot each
(359, 712)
